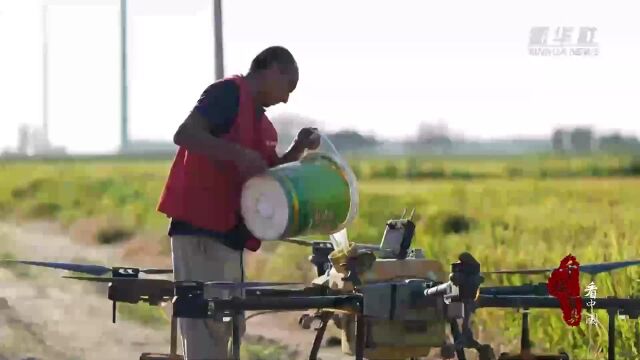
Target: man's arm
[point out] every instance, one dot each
(214, 115)
(293, 154)
(194, 134)
(307, 138)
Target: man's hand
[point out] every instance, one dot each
(308, 138)
(195, 135)
(250, 164)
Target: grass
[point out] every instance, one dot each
(6, 253)
(155, 317)
(467, 167)
(509, 212)
(152, 316)
(257, 349)
(125, 193)
(18, 270)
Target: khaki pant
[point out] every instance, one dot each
(201, 258)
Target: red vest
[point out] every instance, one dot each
(207, 196)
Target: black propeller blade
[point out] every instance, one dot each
(309, 242)
(604, 267)
(522, 290)
(117, 280)
(96, 270)
(591, 269)
(303, 242)
(164, 283)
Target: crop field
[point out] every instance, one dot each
(509, 213)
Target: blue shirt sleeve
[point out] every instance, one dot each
(219, 105)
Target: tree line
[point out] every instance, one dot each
(583, 140)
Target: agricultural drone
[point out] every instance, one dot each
(388, 300)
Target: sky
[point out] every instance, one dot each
(366, 65)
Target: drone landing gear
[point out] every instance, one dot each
(173, 355)
(464, 339)
(173, 346)
(525, 345)
(322, 319)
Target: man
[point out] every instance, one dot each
(224, 141)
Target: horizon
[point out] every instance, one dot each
(472, 72)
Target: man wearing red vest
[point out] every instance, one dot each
(224, 141)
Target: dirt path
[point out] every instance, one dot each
(297, 339)
(53, 318)
(46, 317)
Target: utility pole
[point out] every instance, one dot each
(218, 39)
(124, 130)
(45, 72)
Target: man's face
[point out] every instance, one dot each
(280, 82)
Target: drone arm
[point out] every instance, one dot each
(525, 342)
(612, 334)
(288, 303)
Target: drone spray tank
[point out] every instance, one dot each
(399, 321)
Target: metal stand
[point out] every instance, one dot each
(236, 335)
(325, 316)
(174, 337)
(173, 353)
(352, 303)
(457, 339)
(612, 333)
(525, 342)
(360, 328)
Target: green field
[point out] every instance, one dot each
(509, 213)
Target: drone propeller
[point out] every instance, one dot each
(591, 269)
(169, 283)
(539, 289)
(96, 270)
(303, 242)
(156, 291)
(117, 280)
(310, 242)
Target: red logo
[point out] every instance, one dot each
(564, 284)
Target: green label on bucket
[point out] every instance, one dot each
(317, 194)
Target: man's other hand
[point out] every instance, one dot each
(308, 138)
